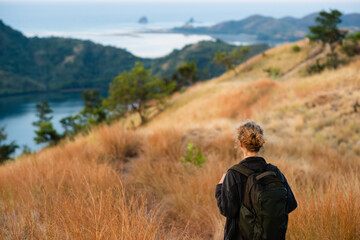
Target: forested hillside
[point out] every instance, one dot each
(43, 64)
(202, 53)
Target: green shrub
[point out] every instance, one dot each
(273, 72)
(296, 48)
(315, 68)
(350, 49)
(193, 156)
(351, 44)
(331, 62)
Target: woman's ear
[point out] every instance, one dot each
(240, 144)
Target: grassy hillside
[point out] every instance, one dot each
(119, 183)
(43, 64)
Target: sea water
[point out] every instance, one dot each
(17, 113)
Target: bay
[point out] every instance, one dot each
(17, 113)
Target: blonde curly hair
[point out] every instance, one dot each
(251, 135)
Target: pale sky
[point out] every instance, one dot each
(190, 1)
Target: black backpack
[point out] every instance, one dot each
(263, 213)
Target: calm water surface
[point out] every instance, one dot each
(18, 112)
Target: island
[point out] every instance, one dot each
(143, 20)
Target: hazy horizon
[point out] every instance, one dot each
(184, 1)
(219, 11)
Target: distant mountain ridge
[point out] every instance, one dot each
(269, 28)
(52, 64)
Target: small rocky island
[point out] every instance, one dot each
(191, 21)
(143, 20)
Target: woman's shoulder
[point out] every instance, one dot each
(232, 177)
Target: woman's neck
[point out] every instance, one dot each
(250, 154)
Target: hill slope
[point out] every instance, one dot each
(43, 64)
(202, 53)
(56, 63)
(269, 28)
(130, 183)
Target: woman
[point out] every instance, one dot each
(231, 188)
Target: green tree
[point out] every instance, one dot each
(229, 60)
(237, 56)
(245, 50)
(42, 111)
(327, 32)
(93, 111)
(187, 72)
(172, 83)
(72, 125)
(6, 149)
(223, 59)
(45, 132)
(134, 89)
(351, 44)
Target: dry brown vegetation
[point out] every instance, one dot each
(118, 183)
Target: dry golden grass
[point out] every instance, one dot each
(62, 194)
(129, 184)
(282, 57)
(228, 102)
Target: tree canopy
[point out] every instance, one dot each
(94, 110)
(135, 89)
(231, 59)
(327, 32)
(6, 149)
(45, 132)
(188, 71)
(326, 29)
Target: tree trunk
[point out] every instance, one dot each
(141, 114)
(142, 117)
(333, 57)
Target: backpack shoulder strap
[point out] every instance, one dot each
(273, 168)
(246, 172)
(242, 169)
(264, 174)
